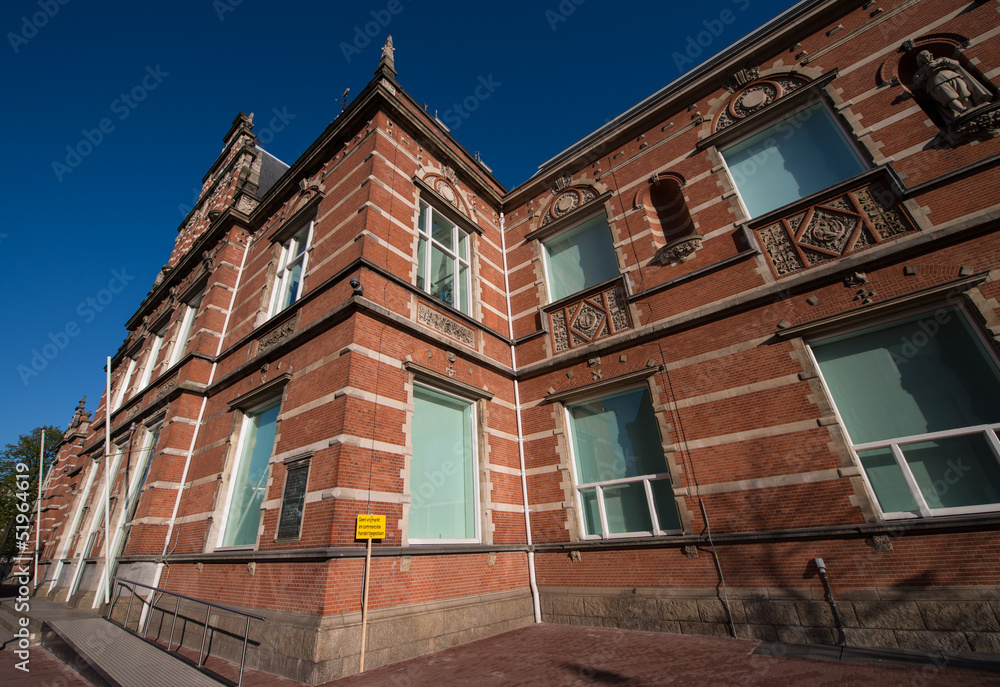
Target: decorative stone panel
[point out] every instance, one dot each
(756, 96)
(847, 222)
(275, 336)
(566, 202)
(447, 326)
(589, 319)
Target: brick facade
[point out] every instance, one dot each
(711, 309)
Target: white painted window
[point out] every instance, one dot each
(124, 384)
(154, 352)
(184, 334)
(919, 398)
(444, 496)
(248, 482)
(443, 254)
(291, 272)
(800, 155)
(579, 258)
(622, 484)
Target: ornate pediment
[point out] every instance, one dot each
(755, 95)
(567, 201)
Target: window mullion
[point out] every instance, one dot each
(601, 510)
(652, 506)
(911, 481)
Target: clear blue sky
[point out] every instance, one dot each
(166, 80)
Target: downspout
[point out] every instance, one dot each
(535, 603)
(201, 415)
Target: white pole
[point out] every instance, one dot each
(364, 602)
(107, 485)
(38, 507)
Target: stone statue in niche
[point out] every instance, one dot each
(951, 86)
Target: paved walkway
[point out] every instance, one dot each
(561, 655)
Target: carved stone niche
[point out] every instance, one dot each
(951, 90)
(667, 214)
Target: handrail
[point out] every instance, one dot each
(122, 582)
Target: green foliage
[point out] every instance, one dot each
(21, 458)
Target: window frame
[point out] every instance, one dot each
(151, 357)
(776, 119)
(234, 466)
(426, 210)
(303, 236)
(990, 431)
(475, 431)
(191, 308)
(125, 382)
(598, 212)
(603, 391)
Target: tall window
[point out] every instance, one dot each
(136, 483)
(187, 323)
(249, 481)
(154, 353)
(123, 385)
(291, 270)
(800, 155)
(579, 258)
(621, 473)
(920, 400)
(443, 477)
(443, 259)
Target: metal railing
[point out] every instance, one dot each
(122, 582)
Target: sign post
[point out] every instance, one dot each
(368, 527)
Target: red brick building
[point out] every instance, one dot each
(749, 323)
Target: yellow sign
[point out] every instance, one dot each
(370, 527)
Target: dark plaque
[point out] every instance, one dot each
(292, 503)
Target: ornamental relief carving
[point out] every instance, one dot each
(846, 224)
(275, 336)
(590, 319)
(566, 202)
(444, 324)
(757, 95)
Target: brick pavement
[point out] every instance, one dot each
(44, 670)
(563, 655)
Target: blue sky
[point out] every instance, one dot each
(115, 110)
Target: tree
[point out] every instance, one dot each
(21, 459)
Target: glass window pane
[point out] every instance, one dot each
(292, 288)
(464, 289)
(581, 257)
(443, 231)
(442, 470)
(422, 218)
(924, 374)
(955, 472)
(666, 506)
(591, 512)
(627, 509)
(778, 165)
(887, 481)
(442, 276)
(615, 437)
(251, 479)
(421, 263)
(463, 245)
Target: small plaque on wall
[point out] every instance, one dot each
(293, 502)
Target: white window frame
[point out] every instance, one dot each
(645, 480)
(476, 501)
(554, 237)
(426, 234)
(990, 431)
(233, 471)
(134, 487)
(776, 121)
(154, 353)
(184, 333)
(123, 387)
(289, 259)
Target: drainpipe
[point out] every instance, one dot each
(535, 603)
(829, 598)
(201, 415)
